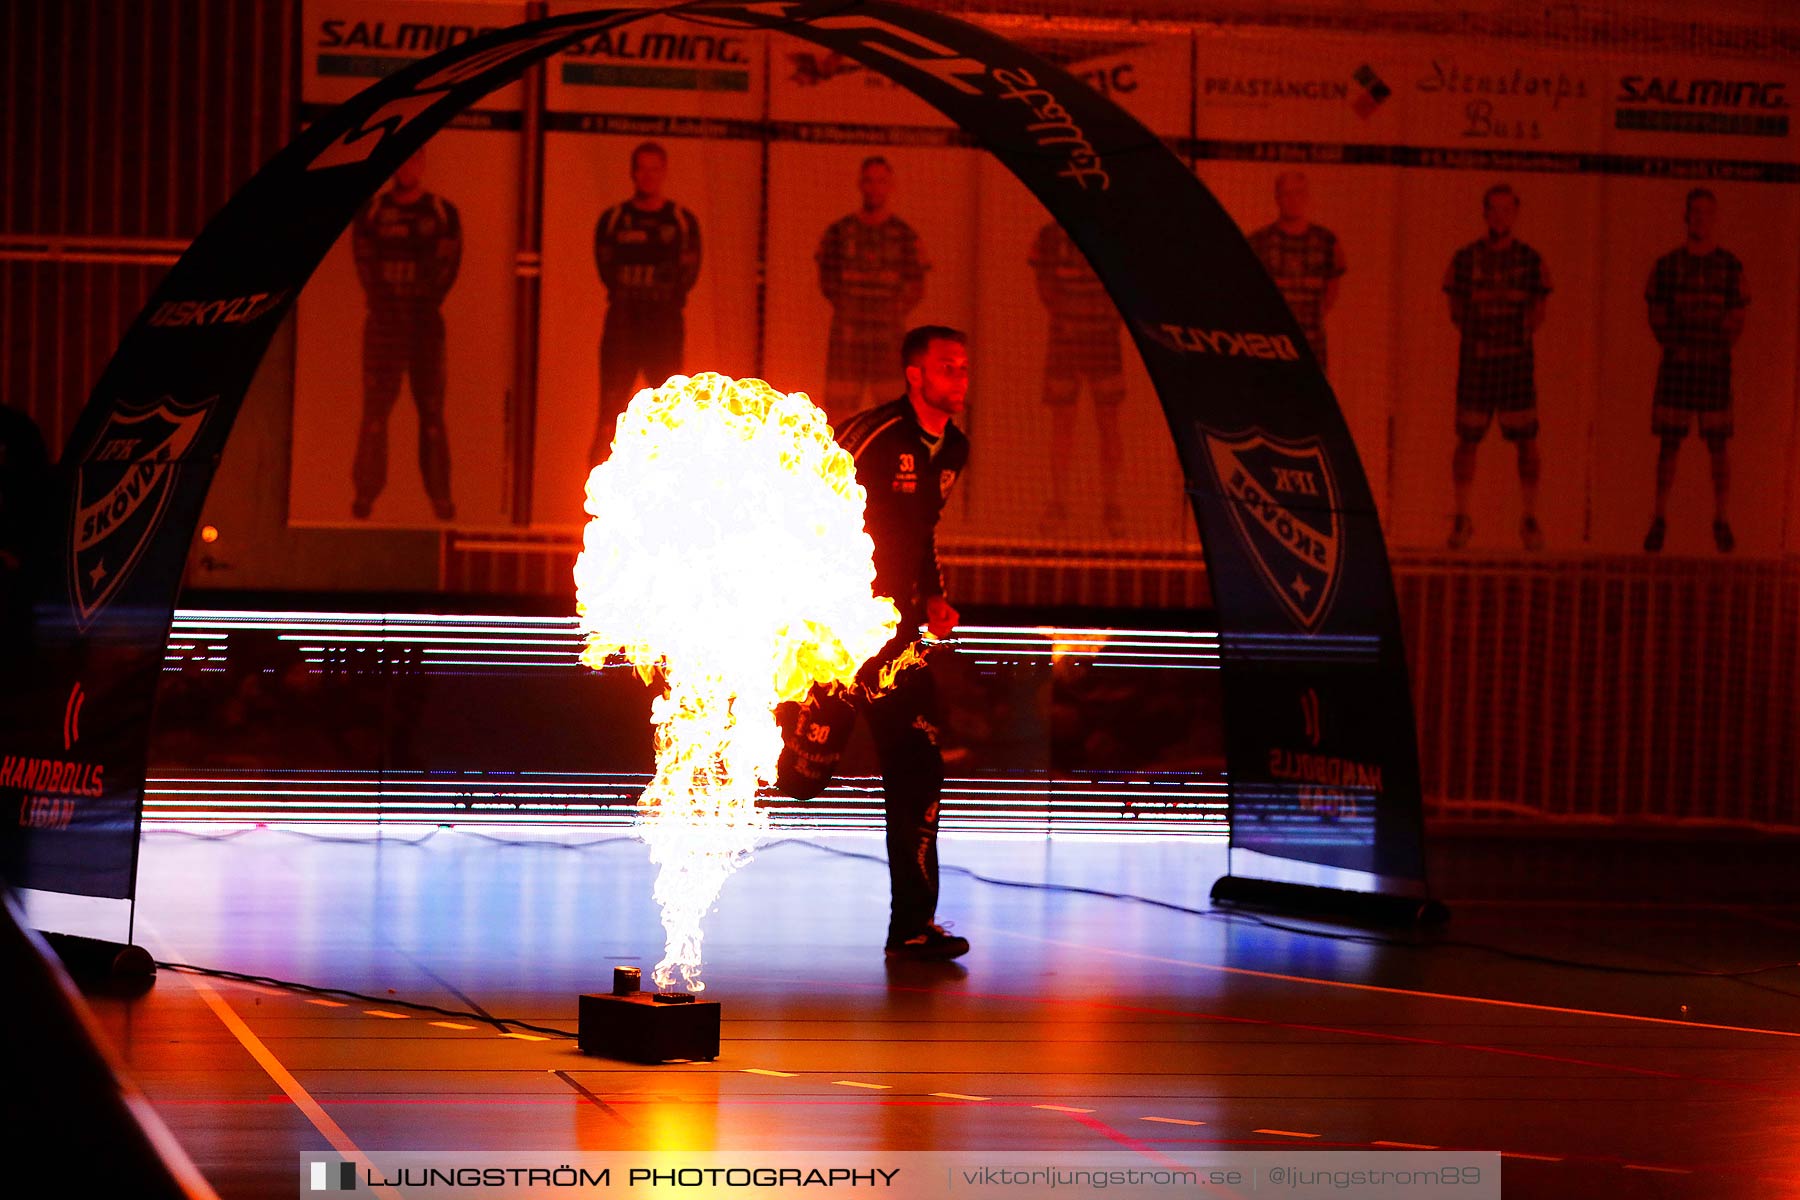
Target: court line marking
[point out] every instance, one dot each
(765, 1071)
(328, 1003)
(1406, 1145)
(1171, 1121)
(525, 1037)
(1661, 1170)
(1124, 1139)
(874, 1087)
(1392, 991)
(384, 1014)
(1061, 1108)
(1532, 1157)
(450, 1025)
(959, 1096)
(1293, 1133)
(272, 1066)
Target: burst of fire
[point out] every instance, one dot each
(724, 554)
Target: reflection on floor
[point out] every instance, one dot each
(1077, 1022)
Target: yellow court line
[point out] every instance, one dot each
(1171, 1121)
(1532, 1157)
(1061, 1108)
(1406, 1145)
(874, 1087)
(1286, 1133)
(525, 1037)
(265, 1058)
(1390, 991)
(958, 1096)
(327, 1003)
(1660, 1170)
(450, 1025)
(381, 1012)
(766, 1071)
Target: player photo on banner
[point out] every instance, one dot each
(403, 368)
(1697, 339)
(865, 241)
(652, 165)
(1496, 279)
(1698, 370)
(1074, 442)
(1273, 115)
(871, 227)
(1316, 231)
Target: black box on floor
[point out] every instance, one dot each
(639, 1028)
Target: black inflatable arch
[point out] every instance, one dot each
(1321, 750)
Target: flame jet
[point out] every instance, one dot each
(725, 556)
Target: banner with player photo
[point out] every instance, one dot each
(871, 230)
(1493, 418)
(653, 161)
(1073, 438)
(1259, 99)
(1539, 343)
(403, 373)
(1297, 561)
(1699, 376)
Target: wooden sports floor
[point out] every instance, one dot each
(1077, 1022)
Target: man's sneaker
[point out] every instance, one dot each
(1530, 534)
(360, 508)
(1653, 541)
(1461, 532)
(1722, 537)
(936, 944)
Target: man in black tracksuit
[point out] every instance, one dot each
(408, 248)
(908, 456)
